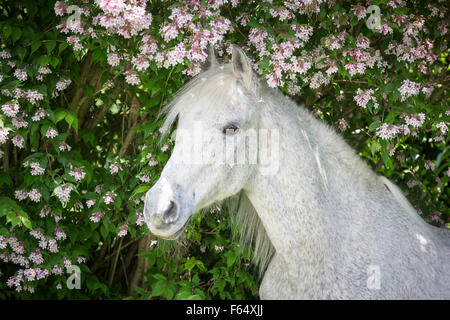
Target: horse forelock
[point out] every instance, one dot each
(215, 84)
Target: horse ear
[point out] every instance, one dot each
(211, 60)
(241, 65)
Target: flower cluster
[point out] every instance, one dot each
(74, 180)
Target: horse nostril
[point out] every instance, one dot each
(171, 214)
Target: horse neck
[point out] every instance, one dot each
(295, 205)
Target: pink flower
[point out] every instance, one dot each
(30, 274)
(363, 97)
(165, 147)
(359, 11)
(131, 77)
(67, 262)
(5, 54)
(51, 133)
(429, 165)
(36, 169)
(3, 135)
(90, 203)
(34, 195)
(37, 234)
(21, 194)
(140, 218)
(18, 122)
(113, 59)
(10, 109)
(443, 126)
(21, 74)
(63, 146)
(141, 63)
(123, 230)
(62, 84)
(36, 257)
(145, 178)
(97, 216)
(75, 42)
(52, 246)
(115, 168)
(18, 141)
(77, 173)
(60, 234)
(40, 114)
(416, 120)
(57, 269)
(33, 96)
(409, 89)
(109, 197)
(81, 259)
(60, 8)
(387, 131)
(63, 193)
(385, 29)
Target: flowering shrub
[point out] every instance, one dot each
(81, 84)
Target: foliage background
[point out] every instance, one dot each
(78, 128)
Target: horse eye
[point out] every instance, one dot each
(230, 129)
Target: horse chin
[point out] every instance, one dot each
(173, 235)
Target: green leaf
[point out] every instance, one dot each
(14, 213)
(51, 44)
(191, 263)
(5, 179)
(159, 288)
(384, 152)
(140, 290)
(159, 276)
(62, 46)
(36, 44)
(140, 189)
(374, 125)
(26, 222)
(55, 61)
(375, 147)
(60, 114)
(43, 60)
(21, 52)
(7, 30)
(231, 259)
(34, 135)
(72, 120)
(16, 34)
(104, 232)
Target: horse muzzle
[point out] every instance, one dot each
(166, 213)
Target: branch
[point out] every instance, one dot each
(135, 106)
(85, 70)
(113, 271)
(105, 108)
(137, 277)
(6, 156)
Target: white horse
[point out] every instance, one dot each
(323, 222)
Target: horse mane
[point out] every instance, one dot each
(248, 229)
(246, 225)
